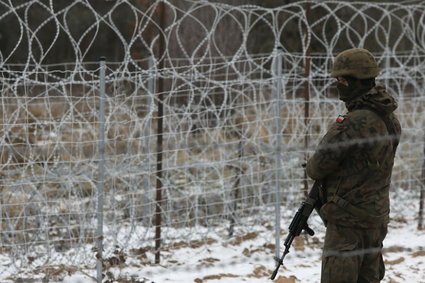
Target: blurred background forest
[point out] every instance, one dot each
(64, 31)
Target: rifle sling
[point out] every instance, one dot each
(360, 213)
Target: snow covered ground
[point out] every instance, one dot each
(249, 258)
(245, 257)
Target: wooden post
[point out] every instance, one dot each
(422, 196)
(160, 117)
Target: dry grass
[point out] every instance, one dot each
(48, 129)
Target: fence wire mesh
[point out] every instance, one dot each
(220, 89)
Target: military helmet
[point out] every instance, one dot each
(357, 63)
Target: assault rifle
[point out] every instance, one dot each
(299, 222)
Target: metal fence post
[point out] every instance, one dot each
(277, 91)
(101, 170)
(147, 134)
(387, 56)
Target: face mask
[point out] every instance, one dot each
(347, 93)
(353, 90)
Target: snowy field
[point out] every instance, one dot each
(246, 257)
(249, 259)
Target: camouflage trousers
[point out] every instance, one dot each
(353, 255)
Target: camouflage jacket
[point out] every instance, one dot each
(355, 160)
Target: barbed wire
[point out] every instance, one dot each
(220, 139)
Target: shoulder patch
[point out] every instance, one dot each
(341, 118)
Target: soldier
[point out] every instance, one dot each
(354, 161)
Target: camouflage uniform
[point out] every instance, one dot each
(354, 160)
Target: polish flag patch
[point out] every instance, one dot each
(340, 119)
